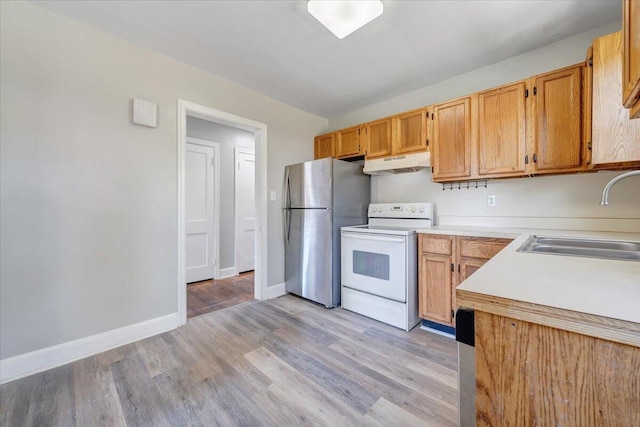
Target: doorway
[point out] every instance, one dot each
(188, 110)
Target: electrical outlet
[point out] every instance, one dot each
(491, 200)
(272, 195)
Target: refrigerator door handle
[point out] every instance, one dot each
(287, 189)
(287, 226)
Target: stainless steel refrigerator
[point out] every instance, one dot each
(320, 196)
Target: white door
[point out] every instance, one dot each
(199, 195)
(245, 210)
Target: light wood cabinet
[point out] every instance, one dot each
(558, 139)
(436, 276)
(502, 131)
(411, 132)
(529, 374)
(452, 140)
(445, 262)
(324, 145)
(631, 57)
(379, 138)
(348, 142)
(615, 138)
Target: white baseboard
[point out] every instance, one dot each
(275, 291)
(23, 365)
(226, 272)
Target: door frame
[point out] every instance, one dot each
(216, 199)
(236, 151)
(187, 108)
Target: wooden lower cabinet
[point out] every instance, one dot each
(534, 375)
(445, 262)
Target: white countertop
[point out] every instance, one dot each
(595, 286)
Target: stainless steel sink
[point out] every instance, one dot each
(592, 248)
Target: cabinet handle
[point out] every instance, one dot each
(452, 268)
(458, 268)
(535, 158)
(526, 159)
(535, 90)
(427, 142)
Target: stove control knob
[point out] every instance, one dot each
(421, 210)
(374, 210)
(413, 209)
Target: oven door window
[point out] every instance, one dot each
(371, 264)
(375, 264)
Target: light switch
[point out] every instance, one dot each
(491, 200)
(272, 195)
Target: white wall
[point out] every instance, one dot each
(229, 138)
(88, 219)
(566, 201)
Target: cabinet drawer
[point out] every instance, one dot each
(436, 244)
(481, 247)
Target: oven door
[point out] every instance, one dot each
(375, 264)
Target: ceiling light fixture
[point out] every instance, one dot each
(344, 17)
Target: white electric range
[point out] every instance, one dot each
(379, 263)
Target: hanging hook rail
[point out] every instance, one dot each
(460, 185)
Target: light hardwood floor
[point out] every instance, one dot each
(211, 295)
(284, 362)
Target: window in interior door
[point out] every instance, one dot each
(371, 264)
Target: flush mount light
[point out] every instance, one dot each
(344, 17)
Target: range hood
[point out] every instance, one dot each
(397, 164)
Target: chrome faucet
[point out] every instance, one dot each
(614, 181)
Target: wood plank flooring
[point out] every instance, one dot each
(211, 295)
(283, 362)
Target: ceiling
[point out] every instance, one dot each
(278, 49)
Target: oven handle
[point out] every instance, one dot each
(376, 237)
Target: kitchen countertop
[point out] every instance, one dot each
(593, 296)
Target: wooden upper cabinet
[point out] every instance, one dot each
(411, 132)
(502, 131)
(452, 134)
(615, 137)
(378, 138)
(323, 146)
(558, 120)
(348, 142)
(631, 56)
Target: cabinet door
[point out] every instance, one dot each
(615, 137)
(348, 142)
(323, 146)
(631, 63)
(378, 136)
(558, 110)
(435, 288)
(502, 125)
(451, 150)
(411, 132)
(468, 266)
(558, 106)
